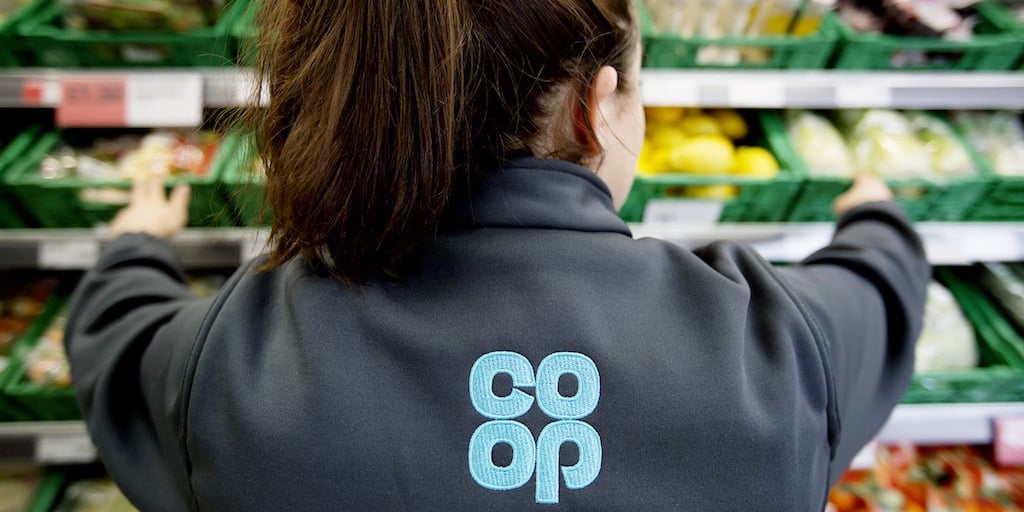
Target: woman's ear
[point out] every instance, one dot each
(590, 122)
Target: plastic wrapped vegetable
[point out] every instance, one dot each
(47, 362)
(819, 143)
(947, 340)
(141, 15)
(884, 142)
(160, 153)
(948, 156)
(999, 136)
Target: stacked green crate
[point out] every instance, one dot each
(666, 50)
(992, 48)
(72, 202)
(11, 212)
(743, 198)
(243, 181)
(42, 402)
(1000, 376)
(11, 49)
(54, 45)
(946, 200)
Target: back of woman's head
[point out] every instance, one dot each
(382, 110)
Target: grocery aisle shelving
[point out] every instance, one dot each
(231, 87)
(947, 243)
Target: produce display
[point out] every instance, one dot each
(947, 340)
(19, 306)
(141, 15)
(919, 479)
(94, 496)
(891, 144)
(717, 19)
(160, 153)
(17, 490)
(999, 136)
(47, 363)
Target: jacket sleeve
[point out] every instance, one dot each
(864, 296)
(132, 323)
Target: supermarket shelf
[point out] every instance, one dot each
(946, 243)
(69, 442)
(832, 89)
(946, 423)
(46, 443)
(227, 87)
(31, 87)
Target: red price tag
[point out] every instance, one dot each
(92, 102)
(1009, 441)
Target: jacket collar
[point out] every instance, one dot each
(540, 193)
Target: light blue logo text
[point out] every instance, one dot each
(529, 456)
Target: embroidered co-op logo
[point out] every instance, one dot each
(529, 456)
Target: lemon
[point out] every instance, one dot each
(666, 138)
(720, 191)
(652, 160)
(704, 154)
(663, 116)
(700, 125)
(731, 123)
(756, 163)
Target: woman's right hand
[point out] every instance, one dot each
(866, 189)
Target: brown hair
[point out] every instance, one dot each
(380, 111)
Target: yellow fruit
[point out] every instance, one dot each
(755, 163)
(665, 138)
(663, 116)
(730, 123)
(700, 125)
(705, 154)
(720, 191)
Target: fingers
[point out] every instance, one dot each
(180, 197)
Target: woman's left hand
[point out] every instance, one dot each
(151, 212)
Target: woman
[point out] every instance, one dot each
(453, 317)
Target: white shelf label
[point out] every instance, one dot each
(668, 91)
(65, 449)
(68, 254)
(757, 94)
(863, 94)
(245, 91)
(159, 100)
(692, 212)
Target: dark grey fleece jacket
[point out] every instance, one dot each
(538, 357)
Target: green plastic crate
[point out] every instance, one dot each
(245, 33)
(43, 403)
(993, 48)
(1004, 200)
(11, 212)
(11, 408)
(662, 50)
(950, 200)
(12, 51)
(64, 203)
(49, 491)
(1000, 378)
(244, 191)
(53, 45)
(756, 199)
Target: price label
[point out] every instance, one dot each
(1009, 441)
(91, 102)
(691, 212)
(68, 255)
(863, 95)
(757, 94)
(73, 449)
(36, 92)
(164, 100)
